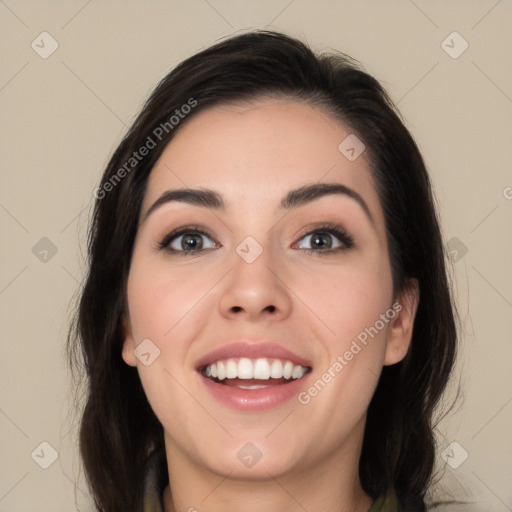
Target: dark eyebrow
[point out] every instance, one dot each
(309, 193)
(197, 197)
(210, 199)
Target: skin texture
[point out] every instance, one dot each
(253, 155)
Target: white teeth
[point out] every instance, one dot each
(245, 368)
(276, 369)
(288, 370)
(221, 370)
(297, 372)
(231, 369)
(261, 368)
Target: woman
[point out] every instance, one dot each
(266, 323)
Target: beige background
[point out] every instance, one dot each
(63, 116)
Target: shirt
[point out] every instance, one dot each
(157, 479)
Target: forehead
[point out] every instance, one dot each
(258, 151)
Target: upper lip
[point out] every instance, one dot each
(251, 350)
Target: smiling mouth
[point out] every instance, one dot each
(245, 373)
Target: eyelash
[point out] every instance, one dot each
(330, 229)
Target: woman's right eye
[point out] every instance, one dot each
(187, 241)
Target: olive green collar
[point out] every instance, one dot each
(386, 503)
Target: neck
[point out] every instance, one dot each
(330, 485)
(273, 497)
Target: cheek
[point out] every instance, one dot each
(350, 305)
(165, 307)
(162, 300)
(350, 302)
(347, 299)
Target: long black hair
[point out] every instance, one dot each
(119, 430)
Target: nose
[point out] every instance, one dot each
(255, 291)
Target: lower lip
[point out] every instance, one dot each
(254, 400)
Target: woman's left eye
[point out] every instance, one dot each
(323, 240)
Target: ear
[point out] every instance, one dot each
(128, 343)
(400, 331)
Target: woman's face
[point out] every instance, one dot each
(280, 281)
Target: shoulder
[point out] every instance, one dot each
(390, 501)
(156, 478)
